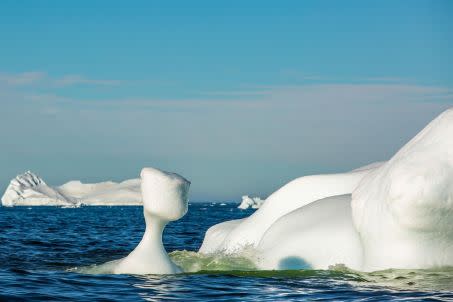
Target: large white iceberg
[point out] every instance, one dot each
(28, 189)
(394, 214)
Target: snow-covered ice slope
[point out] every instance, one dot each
(28, 189)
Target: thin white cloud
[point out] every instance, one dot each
(335, 93)
(69, 80)
(387, 79)
(265, 97)
(22, 79)
(360, 92)
(300, 76)
(42, 79)
(251, 97)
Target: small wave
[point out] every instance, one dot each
(440, 279)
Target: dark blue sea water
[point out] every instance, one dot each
(41, 249)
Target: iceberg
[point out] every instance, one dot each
(250, 202)
(28, 189)
(394, 214)
(165, 199)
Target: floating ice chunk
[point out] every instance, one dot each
(165, 198)
(250, 202)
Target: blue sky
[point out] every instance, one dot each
(239, 96)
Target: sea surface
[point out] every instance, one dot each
(47, 252)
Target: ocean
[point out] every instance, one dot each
(49, 253)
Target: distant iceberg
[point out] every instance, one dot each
(28, 189)
(250, 202)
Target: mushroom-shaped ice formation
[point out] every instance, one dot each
(164, 199)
